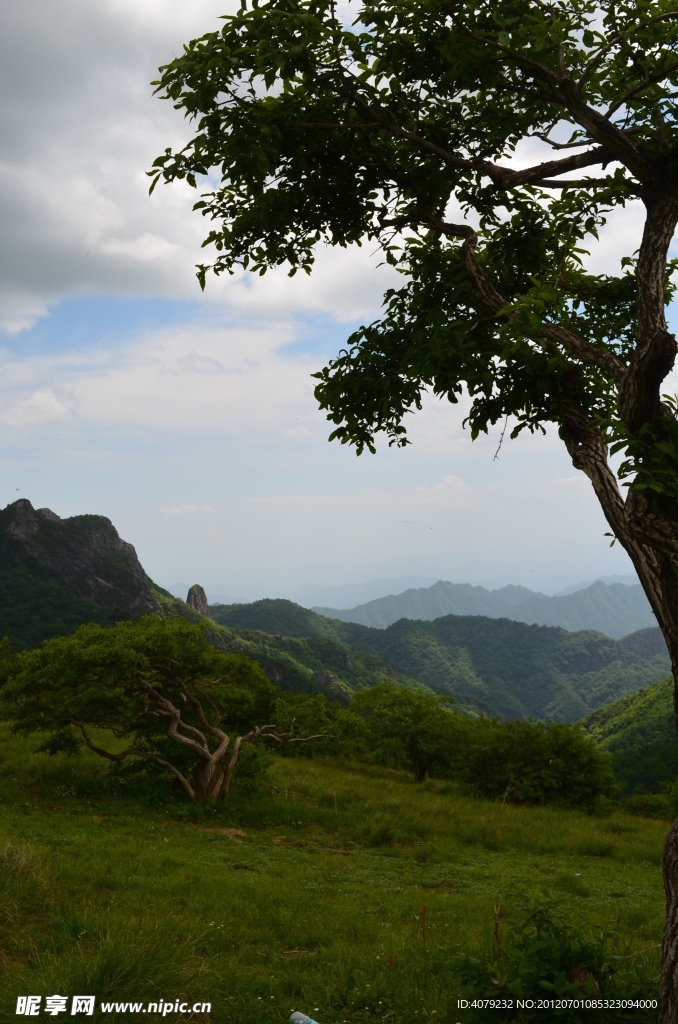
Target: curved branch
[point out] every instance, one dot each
(655, 352)
(133, 752)
(496, 303)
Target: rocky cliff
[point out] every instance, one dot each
(57, 573)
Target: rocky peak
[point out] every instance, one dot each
(84, 553)
(197, 599)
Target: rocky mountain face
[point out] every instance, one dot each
(84, 552)
(57, 573)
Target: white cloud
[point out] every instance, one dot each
(202, 440)
(38, 409)
(79, 127)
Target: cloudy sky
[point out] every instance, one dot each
(189, 420)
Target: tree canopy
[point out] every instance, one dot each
(424, 126)
(153, 689)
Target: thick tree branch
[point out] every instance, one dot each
(655, 352)
(563, 93)
(167, 709)
(133, 752)
(496, 303)
(503, 177)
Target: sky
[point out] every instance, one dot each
(188, 419)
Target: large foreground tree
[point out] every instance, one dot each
(483, 145)
(154, 690)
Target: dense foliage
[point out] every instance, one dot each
(544, 954)
(639, 733)
(158, 692)
(401, 128)
(154, 690)
(518, 762)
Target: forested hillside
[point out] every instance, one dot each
(639, 731)
(492, 667)
(57, 573)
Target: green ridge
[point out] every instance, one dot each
(490, 666)
(56, 574)
(639, 732)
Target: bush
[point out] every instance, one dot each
(520, 762)
(531, 762)
(544, 955)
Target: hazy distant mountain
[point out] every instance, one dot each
(347, 595)
(614, 609)
(628, 581)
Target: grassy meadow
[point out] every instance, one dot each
(308, 894)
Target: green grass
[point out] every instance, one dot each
(317, 904)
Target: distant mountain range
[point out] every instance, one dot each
(614, 609)
(56, 574)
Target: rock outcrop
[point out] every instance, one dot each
(332, 686)
(197, 599)
(85, 553)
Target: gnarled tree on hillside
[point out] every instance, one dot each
(154, 690)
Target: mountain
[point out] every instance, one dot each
(628, 581)
(614, 609)
(492, 667)
(347, 595)
(639, 731)
(57, 573)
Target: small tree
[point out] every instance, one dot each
(404, 129)
(409, 728)
(153, 689)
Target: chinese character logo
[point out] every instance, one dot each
(28, 1006)
(55, 1004)
(83, 1004)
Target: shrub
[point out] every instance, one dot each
(532, 762)
(543, 954)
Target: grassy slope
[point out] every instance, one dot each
(105, 894)
(495, 666)
(640, 733)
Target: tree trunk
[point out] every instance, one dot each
(659, 578)
(647, 528)
(668, 990)
(207, 780)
